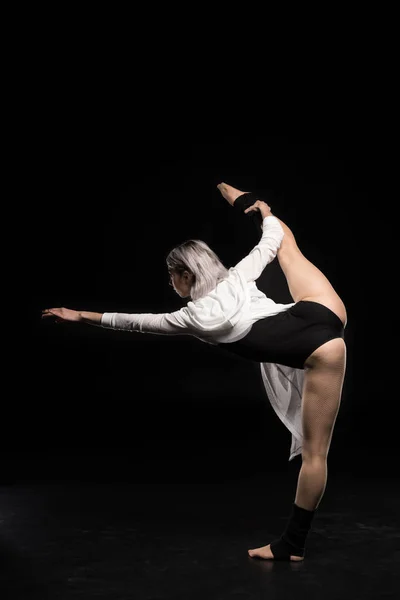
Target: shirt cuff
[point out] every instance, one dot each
(270, 219)
(106, 319)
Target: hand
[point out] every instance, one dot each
(62, 315)
(262, 207)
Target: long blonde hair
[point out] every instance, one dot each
(197, 257)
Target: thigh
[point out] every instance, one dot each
(307, 282)
(304, 279)
(322, 391)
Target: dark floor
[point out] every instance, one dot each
(123, 541)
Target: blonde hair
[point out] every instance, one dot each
(197, 257)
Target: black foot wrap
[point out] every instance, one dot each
(292, 541)
(244, 201)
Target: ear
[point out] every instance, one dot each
(189, 279)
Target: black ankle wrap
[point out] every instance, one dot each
(244, 201)
(292, 541)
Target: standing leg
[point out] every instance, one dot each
(323, 382)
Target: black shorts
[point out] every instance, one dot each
(289, 337)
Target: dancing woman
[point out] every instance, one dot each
(303, 340)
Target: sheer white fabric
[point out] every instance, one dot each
(284, 388)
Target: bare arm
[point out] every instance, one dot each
(72, 316)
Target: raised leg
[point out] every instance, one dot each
(304, 279)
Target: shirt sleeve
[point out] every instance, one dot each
(255, 262)
(164, 323)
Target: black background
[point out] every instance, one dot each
(107, 207)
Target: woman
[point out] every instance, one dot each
(299, 345)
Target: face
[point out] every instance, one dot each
(181, 283)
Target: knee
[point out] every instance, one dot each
(315, 457)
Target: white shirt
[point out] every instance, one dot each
(225, 315)
(228, 311)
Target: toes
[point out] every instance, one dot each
(264, 552)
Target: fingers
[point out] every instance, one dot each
(254, 206)
(48, 312)
(257, 205)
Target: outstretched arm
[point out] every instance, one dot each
(175, 323)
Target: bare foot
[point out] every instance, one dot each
(229, 193)
(265, 552)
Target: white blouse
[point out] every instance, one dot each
(225, 315)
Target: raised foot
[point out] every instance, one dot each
(229, 193)
(265, 552)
